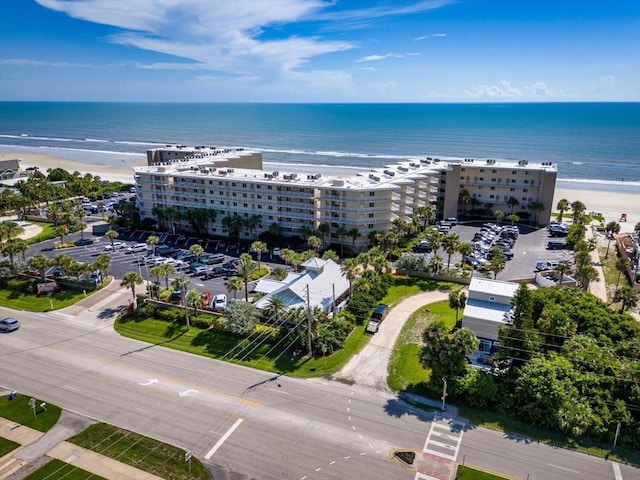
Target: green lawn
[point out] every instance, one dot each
(217, 344)
(58, 469)
(19, 411)
(468, 473)
(7, 446)
(141, 452)
(405, 371)
(407, 286)
(31, 303)
(47, 233)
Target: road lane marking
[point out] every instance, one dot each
(562, 468)
(69, 387)
(223, 439)
(616, 471)
(151, 381)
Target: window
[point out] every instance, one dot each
(493, 188)
(492, 298)
(494, 171)
(372, 204)
(482, 179)
(525, 190)
(372, 194)
(482, 170)
(244, 185)
(371, 215)
(244, 195)
(233, 184)
(492, 196)
(484, 345)
(370, 225)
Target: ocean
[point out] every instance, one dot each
(590, 142)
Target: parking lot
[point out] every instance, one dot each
(529, 249)
(123, 261)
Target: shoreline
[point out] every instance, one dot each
(609, 198)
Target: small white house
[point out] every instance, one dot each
(322, 282)
(488, 303)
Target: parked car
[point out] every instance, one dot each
(9, 324)
(115, 246)
(276, 252)
(556, 245)
(138, 247)
(212, 258)
(175, 297)
(219, 303)
(83, 241)
(214, 272)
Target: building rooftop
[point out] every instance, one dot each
(493, 287)
(490, 311)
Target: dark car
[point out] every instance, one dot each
(9, 324)
(83, 241)
(556, 245)
(215, 272)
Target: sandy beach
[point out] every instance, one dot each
(609, 202)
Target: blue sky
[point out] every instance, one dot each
(320, 50)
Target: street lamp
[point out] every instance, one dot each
(444, 392)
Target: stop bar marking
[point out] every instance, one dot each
(223, 439)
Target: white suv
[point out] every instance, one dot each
(219, 303)
(138, 247)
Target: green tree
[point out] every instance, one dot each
(233, 225)
(341, 232)
(13, 248)
(111, 235)
(513, 219)
(323, 229)
(518, 339)
(195, 299)
(465, 249)
(562, 269)
(234, 284)
(246, 268)
(622, 264)
(512, 202)
(259, 247)
(163, 271)
(276, 306)
(578, 208)
(62, 231)
(314, 242)
(450, 243)
(350, 268)
(353, 234)
(152, 241)
(537, 207)
(196, 250)
(627, 297)
(444, 352)
(40, 263)
(436, 265)
(496, 265)
(330, 255)
(457, 300)
(241, 318)
(499, 214)
(279, 273)
(130, 280)
(562, 206)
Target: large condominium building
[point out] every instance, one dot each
(232, 182)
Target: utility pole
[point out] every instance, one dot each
(309, 352)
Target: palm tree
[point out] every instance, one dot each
(111, 235)
(435, 265)
(41, 263)
(435, 240)
(14, 247)
(341, 232)
(233, 225)
(622, 264)
(130, 280)
(587, 274)
(259, 247)
(499, 214)
(62, 262)
(513, 219)
(350, 268)
(457, 300)
(627, 297)
(610, 229)
(330, 255)
(196, 250)
(465, 249)
(234, 284)
(536, 207)
(275, 307)
(152, 241)
(287, 255)
(562, 269)
(512, 202)
(323, 229)
(102, 264)
(252, 223)
(562, 206)
(182, 284)
(578, 209)
(61, 231)
(496, 265)
(164, 270)
(304, 232)
(158, 212)
(194, 299)
(246, 268)
(314, 243)
(12, 229)
(450, 242)
(424, 213)
(353, 234)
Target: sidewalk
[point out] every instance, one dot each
(599, 287)
(52, 444)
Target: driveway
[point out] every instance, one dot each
(370, 366)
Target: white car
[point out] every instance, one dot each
(137, 248)
(115, 246)
(276, 252)
(219, 303)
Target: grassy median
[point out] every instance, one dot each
(7, 446)
(152, 456)
(19, 411)
(59, 469)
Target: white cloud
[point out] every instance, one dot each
(370, 69)
(432, 35)
(376, 58)
(539, 89)
(502, 90)
(608, 79)
(218, 36)
(26, 62)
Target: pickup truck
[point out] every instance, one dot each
(378, 315)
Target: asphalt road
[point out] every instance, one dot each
(246, 423)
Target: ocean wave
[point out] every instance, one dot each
(89, 151)
(560, 182)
